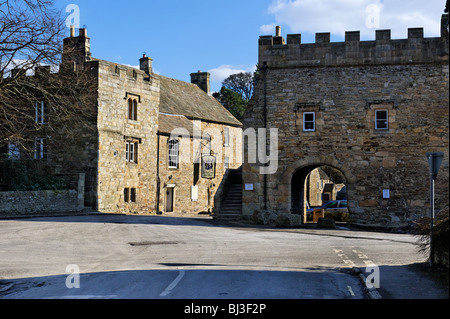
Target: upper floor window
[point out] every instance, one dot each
(131, 151)
(309, 121)
(40, 115)
(381, 119)
(132, 109)
(173, 153)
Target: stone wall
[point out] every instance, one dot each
(409, 78)
(43, 202)
(118, 84)
(188, 175)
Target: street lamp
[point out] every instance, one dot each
(435, 161)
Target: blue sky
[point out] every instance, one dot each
(222, 36)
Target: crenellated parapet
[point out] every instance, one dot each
(276, 51)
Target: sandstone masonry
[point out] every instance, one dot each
(345, 89)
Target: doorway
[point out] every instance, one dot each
(169, 199)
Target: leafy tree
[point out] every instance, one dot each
(232, 101)
(236, 92)
(241, 83)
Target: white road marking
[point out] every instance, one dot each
(174, 283)
(344, 257)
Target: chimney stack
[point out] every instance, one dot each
(202, 80)
(145, 64)
(77, 49)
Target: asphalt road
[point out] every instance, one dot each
(156, 257)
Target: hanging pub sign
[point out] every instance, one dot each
(208, 166)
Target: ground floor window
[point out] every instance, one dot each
(40, 148)
(129, 195)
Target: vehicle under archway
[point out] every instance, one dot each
(319, 186)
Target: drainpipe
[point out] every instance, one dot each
(265, 126)
(158, 180)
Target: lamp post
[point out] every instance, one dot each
(435, 161)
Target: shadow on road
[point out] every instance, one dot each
(189, 284)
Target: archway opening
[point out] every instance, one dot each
(320, 187)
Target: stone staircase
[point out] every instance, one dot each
(231, 204)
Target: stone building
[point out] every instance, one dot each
(315, 185)
(371, 109)
(144, 128)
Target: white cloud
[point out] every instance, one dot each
(336, 17)
(267, 28)
(222, 72)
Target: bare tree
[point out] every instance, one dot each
(31, 33)
(34, 100)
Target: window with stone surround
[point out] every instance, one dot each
(173, 155)
(132, 109)
(381, 116)
(309, 121)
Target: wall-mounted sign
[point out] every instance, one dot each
(386, 193)
(248, 187)
(208, 166)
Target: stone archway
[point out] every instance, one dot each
(298, 174)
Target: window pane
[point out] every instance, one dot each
(133, 195)
(309, 117)
(309, 125)
(130, 109)
(135, 110)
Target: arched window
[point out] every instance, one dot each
(132, 109)
(173, 153)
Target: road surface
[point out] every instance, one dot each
(157, 257)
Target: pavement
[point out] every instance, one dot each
(413, 281)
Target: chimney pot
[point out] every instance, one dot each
(83, 32)
(278, 31)
(72, 31)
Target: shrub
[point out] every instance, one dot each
(440, 236)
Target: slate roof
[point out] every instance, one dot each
(182, 98)
(169, 122)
